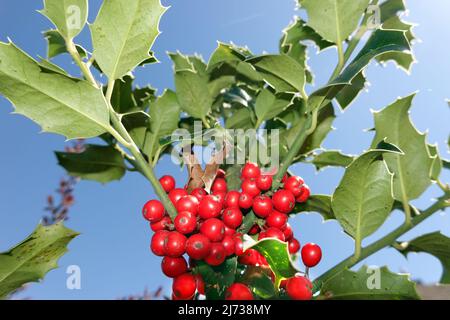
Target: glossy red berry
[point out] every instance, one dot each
(158, 243)
(277, 220)
(220, 173)
(216, 254)
(175, 244)
(249, 187)
(262, 206)
(294, 185)
(250, 257)
(188, 203)
(162, 224)
(153, 211)
(220, 196)
(304, 195)
(232, 199)
(184, 286)
(228, 245)
(177, 194)
(185, 222)
(200, 284)
(294, 246)
(167, 183)
(245, 201)
(209, 207)
(250, 171)
(238, 246)
(232, 217)
(272, 233)
(264, 182)
(288, 233)
(299, 288)
(198, 246)
(285, 177)
(173, 267)
(214, 229)
(199, 193)
(229, 231)
(254, 230)
(219, 185)
(311, 254)
(283, 201)
(238, 291)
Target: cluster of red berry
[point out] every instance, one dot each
(207, 228)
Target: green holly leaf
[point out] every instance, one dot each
(122, 98)
(56, 45)
(437, 164)
(381, 41)
(248, 222)
(259, 281)
(317, 203)
(240, 119)
(349, 93)
(233, 176)
(334, 20)
(363, 200)
(228, 53)
(50, 67)
(59, 104)
(217, 279)
(164, 116)
(277, 255)
(268, 105)
(33, 258)
(331, 158)
(69, 16)
(123, 34)
(369, 284)
(137, 124)
(98, 163)
(281, 72)
(435, 244)
(412, 169)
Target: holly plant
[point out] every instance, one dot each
(224, 233)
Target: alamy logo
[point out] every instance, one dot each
(374, 19)
(73, 281)
(374, 280)
(73, 17)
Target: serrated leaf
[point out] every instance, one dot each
(331, 158)
(361, 285)
(193, 93)
(381, 41)
(122, 98)
(412, 169)
(282, 72)
(226, 53)
(48, 66)
(437, 165)
(34, 257)
(435, 244)
(123, 34)
(334, 20)
(69, 16)
(56, 45)
(56, 102)
(180, 62)
(98, 163)
(349, 93)
(137, 124)
(268, 105)
(317, 203)
(233, 176)
(363, 200)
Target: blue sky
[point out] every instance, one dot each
(112, 251)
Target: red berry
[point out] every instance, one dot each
(184, 286)
(250, 171)
(188, 203)
(238, 246)
(304, 195)
(175, 244)
(185, 222)
(249, 187)
(199, 193)
(232, 199)
(272, 233)
(311, 254)
(219, 185)
(264, 182)
(285, 177)
(177, 194)
(214, 229)
(238, 291)
(232, 217)
(220, 173)
(299, 288)
(216, 255)
(245, 201)
(294, 246)
(294, 185)
(283, 201)
(250, 257)
(167, 183)
(262, 206)
(198, 246)
(158, 243)
(277, 220)
(254, 230)
(162, 224)
(220, 196)
(228, 245)
(153, 210)
(229, 231)
(288, 233)
(173, 267)
(209, 207)
(200, 284)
